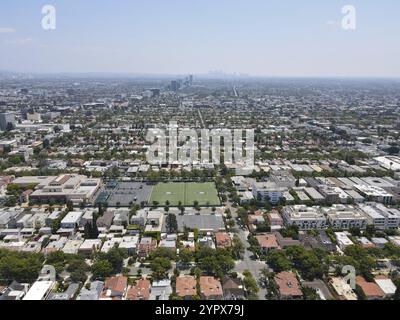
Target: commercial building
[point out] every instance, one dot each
(7, 121)
(66, 187)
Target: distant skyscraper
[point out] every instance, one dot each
(155, 92)
(190, 80)
(6, 121)
(175, 85)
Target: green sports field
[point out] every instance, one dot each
(187, 193)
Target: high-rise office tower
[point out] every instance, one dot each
(7, 121)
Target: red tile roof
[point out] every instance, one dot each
(116, 284)
(210, 287)
(288, 285)
(267, 241)
(141, 291)
(186, 286)
(370, 289)
(223, 240)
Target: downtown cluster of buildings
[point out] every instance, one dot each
(73, 160)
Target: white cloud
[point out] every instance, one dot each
(6, 30)
(19, 41)
(332, 23)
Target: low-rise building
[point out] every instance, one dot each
(186, 287)
(71, 220)
(373, 193)
(39, 290)
(267, 242)
(93, 293)
(275, 220)
(72, 246)
(139, 291)
(105, 221)
(66, 187)
(314, 195)
(306, 218)
(343, 240)
(115, 288)
(146, 245)
(345, 217)
(161, 290)
(343, 289)
(210, 288)
(233, 289)
(380, 216)
(379, 242)
(223, 240)
(268, 191)
(288, 286)
(370, 289)
(130, 243)
(89, 246)
(386, 285)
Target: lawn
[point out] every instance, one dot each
(186, 193)
(172, 192)
(205, 193)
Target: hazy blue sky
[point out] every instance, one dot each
(258, 37)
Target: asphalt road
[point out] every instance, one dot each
(254, 266)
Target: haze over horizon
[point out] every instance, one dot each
(258, 38)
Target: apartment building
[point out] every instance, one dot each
(345, 217)
(373, 193)
(268, 191)
(380, 216)
(306, 218)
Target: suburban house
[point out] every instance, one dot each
(139, 291)
(233, 289)
(115, 287)
(210, 288)
(370, 289)
(223, 240)
(288, 286)
(186, 287)
(267, 242)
